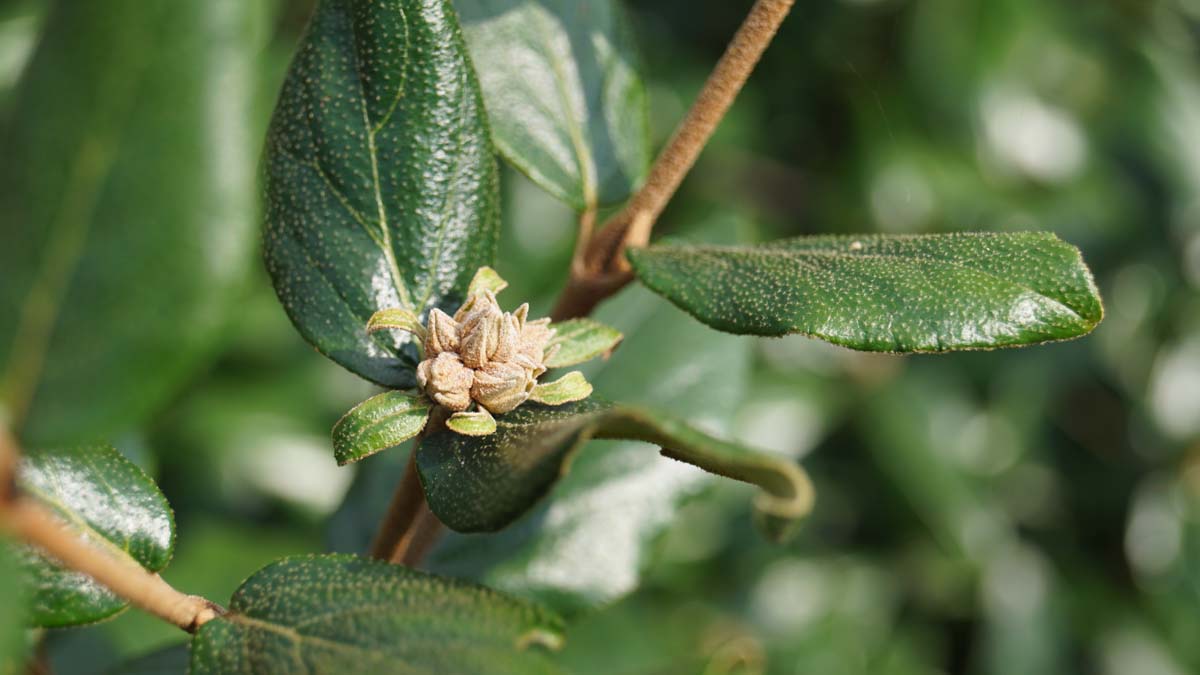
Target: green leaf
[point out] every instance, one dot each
(344, 614)
(486, 279)
(580, 340)
(570, 387)
(110, 502)
(395, 319)
(381, 184)
(13, 645)
(483, 484)
(378, 423)
(927, 293)
(478, 423)
(129, 203)
(564, 96)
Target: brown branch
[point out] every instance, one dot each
(29, 521)
(403, 513)
(604, 270)
(33, 523)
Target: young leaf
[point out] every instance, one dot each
(110, 502)
(478, 423)
(129, 207)
(580, 340)
(927, 293)
(483, 484)
(381, 184)
(378, 423)
(566, 389)
(564, 96)
(344, 614)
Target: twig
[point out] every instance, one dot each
(33, 523)
(403, 513)
(604, 270)
(425, 531)
(29, 521)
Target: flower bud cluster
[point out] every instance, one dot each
(484, 355)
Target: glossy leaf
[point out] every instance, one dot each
(381, 184)
(110, 502)
(565, 99)
(344, 614)
(129, 207)
(483, 484)
(378, 423)
(580, 340)
(929, 293)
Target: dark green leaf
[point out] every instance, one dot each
(113, 504)
(381, 183)
(928, 293)
(580, 340)
(129, 206)
(483, 484)
(563, 93)
(378, 423)
(343, 614)
(12, 615)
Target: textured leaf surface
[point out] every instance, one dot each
(926, 293)
(378, 423)
(564, 96)
(112, 503)
(129, 204)
(483, 484)
(580, 340)
(381, 184)
(342, 614)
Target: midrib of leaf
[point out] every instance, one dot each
(583, 155)
(69, 232)
(909, 260)
(372, 150)
(372, 426)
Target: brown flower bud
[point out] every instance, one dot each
(441, 334)
(501, 386)
(479, 331)
(446, 380)
(534, 337)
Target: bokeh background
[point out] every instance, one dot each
(1022, 511)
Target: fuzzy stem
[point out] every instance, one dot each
(33, 523)
(27, 520)
(604, 270)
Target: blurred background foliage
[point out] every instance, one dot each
(1032, 511)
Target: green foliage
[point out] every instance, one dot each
(931, 293)
(123, 186)
(343, 614)
(381, 184)
(110, 502)
(378, 423)
(563, 92)
(12, 619)
(483, 484)
(581, 340)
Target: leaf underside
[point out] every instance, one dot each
(922, 293)
(566, 103)
(109, 501)
(381, 183)
(341, 614)
(483, 484)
